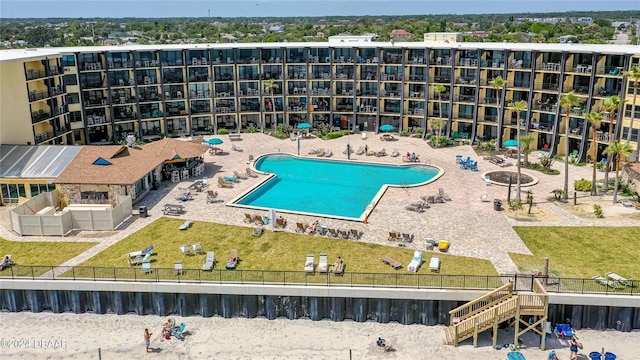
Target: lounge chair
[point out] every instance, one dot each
(257, 231)
(309, 264)
(414, 207)
(6, 262)
(185, 225)
(393, 236)
(619, 279)
(355, 234)
(186, 250)
(408, 238)
(434, 264)
(140, 260)
(179, 332)
(146, 267)
(416, 262)
(443, 194)
(323, 264)
(332, 233)
(328, 153)
(231, 179)
(485, 198)
(251, 173)
(258, 220)
(239, 176)
(564, 330)
(235, 148)
(281, 223)
(312, 152)
(608, 283)
(392, 262)
(515, 355)
(626, 203)
(395, 153)
(338, 267)
(209, 262)
(224, 183)
(177, 268)
(487, 180)
(212, 197)
(342, 234)
(301, 228)
(248, 218)
(360, 151)
(142, 253)
(443, 245)
(197, 248)
(232, 263)
(320, 153)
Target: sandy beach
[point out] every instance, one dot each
(70, 336)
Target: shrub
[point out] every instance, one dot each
(223, 131)
(278, 134)
(558, 193)
(582, 185)
(597, 211)
(539, 167)
(419, 132)
(404, 133)
(251, 129)
(443, 141)
(335, 134)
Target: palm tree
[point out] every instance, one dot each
(634, 75)
(568, 101)
(439, 89)
(437, 124)
(525, 143)
(518, 107)
(270, 86)
(620, 150)
(498, 83)
(611, 104)
(594, 118)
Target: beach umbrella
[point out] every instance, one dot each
(214, 141)
(386, 127)
(510, 143)
(304, 126)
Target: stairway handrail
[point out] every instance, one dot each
(490, 299)
(485, 317)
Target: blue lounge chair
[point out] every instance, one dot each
(179, 332)
(564, 330)
(515, 355)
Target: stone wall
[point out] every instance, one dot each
(630, 174)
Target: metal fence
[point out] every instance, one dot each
(301, 278)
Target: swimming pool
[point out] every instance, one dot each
(330, 188)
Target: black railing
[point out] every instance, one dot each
(301, 278)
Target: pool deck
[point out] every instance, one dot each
(472, 226)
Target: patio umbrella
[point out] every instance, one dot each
(304, 126)
(214, 141)
(510, 143)
(386, 127)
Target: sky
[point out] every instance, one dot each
(291, 8)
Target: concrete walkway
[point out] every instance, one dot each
(473, 228)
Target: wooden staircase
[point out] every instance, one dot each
(489, 310)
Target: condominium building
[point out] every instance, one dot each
(99, 95)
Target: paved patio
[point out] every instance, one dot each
(472, 226)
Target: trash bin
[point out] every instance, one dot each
(143, 211)
(610, 356)
(594, 355)
(497, 204)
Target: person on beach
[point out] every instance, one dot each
(573, 347)
(147, 339)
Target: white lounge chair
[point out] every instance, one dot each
(615, 277)
(185, 225)
(309, 264)
(434, 264)
(395, 153)
(360, 151)
(250, 173)
(177, 268)
(239, 176)
(323, 263)
(186, 250)
(328, 153)
(487, 180)
(235, 148)
(209, 262)
(416, 262)
(197, 248)
(608, 283)
(146, 268)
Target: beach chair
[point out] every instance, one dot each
(312, 152)
(234, 147)
(328, 153)
(197, 248)
(619, 279)
(443, 194)
(179, 332)
(185, 225)
(608, 283)
(239, 176)
(248, 218)
(395, 153)
(177, 268)
(320, 153)
(251, 173)
(487, 180)
(209, 261)
(360, 151)
(281, 223)
(408, 238)
(140, 260)
(515, 355)
(414, 207)
(186, 250)
(338, 267)
(257, 231)
(232, 263)
(355, 234)
(309, 264)
(443, 245)
(434, 264)
(391, 262)
(323, 263)
(212, 197)
(564, 330)
(257, 219)
(393, 236)
(301, 228)
(332, 233)
(416, 261)
(141, 253)
(6, 262)
(342, 234)
(146, 268)
(224, 183)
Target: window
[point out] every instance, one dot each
(75, 116)
(73, 98)
(12, 192)
(40, 188)
(141, 185)
(68, 60)
(70, 80)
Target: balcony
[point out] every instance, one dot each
(465, 116)
(553, 86)
(465, 98)
(437, 97)
(491, 118)
(225, 109)
(151, 114)
(93, 85)
(40, 115)
(490, 100)
(96, 119)
(95, 102)
(60, 110)
(121, 100)
(415, 111)
(609, 70)
(55, 70)
(442, 79)
(466, 80)
(38, 95)
(33, 74)
(91, 66)
(520, 64)
(344, 107)
(43, 137)
(202, 109)
(124, 115)
(416, 78)
(54, 91)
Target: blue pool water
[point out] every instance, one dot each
(331, 188)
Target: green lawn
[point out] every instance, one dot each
(581, 252)
(42, 253)
(279, 251)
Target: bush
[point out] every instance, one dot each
(582, 185)
(335, 134)
(597, 211)
(419, 132)
(539, 167)
(278, 134)
(251, 129)
(223, 131)
(558, 193)
(404, 133)
(442, 142)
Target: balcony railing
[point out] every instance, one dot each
(40, 116)
(33, 74)
(38, 95)
(465, 98)
(42, 137)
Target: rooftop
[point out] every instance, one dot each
(19, 54)
(36, 162)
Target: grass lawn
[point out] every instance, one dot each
(42, 253)
(581, 252)
(279, 251)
